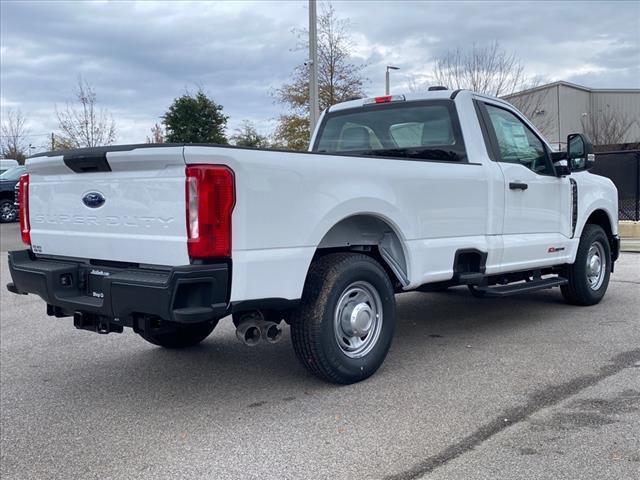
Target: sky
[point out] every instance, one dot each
(139, 56)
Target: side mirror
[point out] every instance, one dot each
(580, 152)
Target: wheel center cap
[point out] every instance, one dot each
(360, 320)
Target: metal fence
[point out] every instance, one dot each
(623, 168)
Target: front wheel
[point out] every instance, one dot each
(178, 335)
(343, 327)
(589, 275)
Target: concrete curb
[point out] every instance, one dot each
(628, 229)
(629, 236)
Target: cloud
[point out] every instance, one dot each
(139, 56)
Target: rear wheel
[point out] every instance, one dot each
(343, 328)
(589, 275)
(179, 335)
(7, 211)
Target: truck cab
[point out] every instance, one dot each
(519, 197)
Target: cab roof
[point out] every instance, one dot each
(413, 97)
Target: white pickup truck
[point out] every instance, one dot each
(397, 193)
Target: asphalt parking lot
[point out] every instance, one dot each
(519, 388)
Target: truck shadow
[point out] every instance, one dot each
(430, 327)
(456, 312)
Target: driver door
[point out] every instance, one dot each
(536, 200)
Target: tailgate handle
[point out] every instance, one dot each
(87, 162)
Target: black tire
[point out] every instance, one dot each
(178, 335)
(476, 292)
(8, 211)
(579, 290)
(314, 330)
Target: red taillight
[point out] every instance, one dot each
(23, 200)
(210, 196)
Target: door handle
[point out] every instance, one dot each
(518, 186)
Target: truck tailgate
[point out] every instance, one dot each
(132, 209)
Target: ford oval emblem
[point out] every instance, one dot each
(93, 199)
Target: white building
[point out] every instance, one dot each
(607, 115)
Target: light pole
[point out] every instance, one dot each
(314, 111)
(387, 88)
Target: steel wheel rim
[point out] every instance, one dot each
(596, 265)
(357, 320)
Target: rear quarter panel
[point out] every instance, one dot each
(286, 202)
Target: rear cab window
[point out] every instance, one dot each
(424, 130)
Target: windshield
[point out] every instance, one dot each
(425, 130)
(13, 173)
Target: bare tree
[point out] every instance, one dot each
(608, 126)
(532, 102)
(338, 79)
(14, 144)
(414, 85)
(493, 71)
(157, 134)
(62, 143)
(82, 123)
(488, 69)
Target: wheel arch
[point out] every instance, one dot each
(600, 217)
(603, 219)
(372, 234)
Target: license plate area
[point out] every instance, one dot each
(96, 282)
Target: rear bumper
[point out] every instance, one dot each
(185, 294)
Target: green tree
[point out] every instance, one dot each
(292, 132)
(195, 119)
(338, 80)
(248, 136)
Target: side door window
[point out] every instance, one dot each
(517, 143)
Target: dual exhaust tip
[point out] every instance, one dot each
(251, 331)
